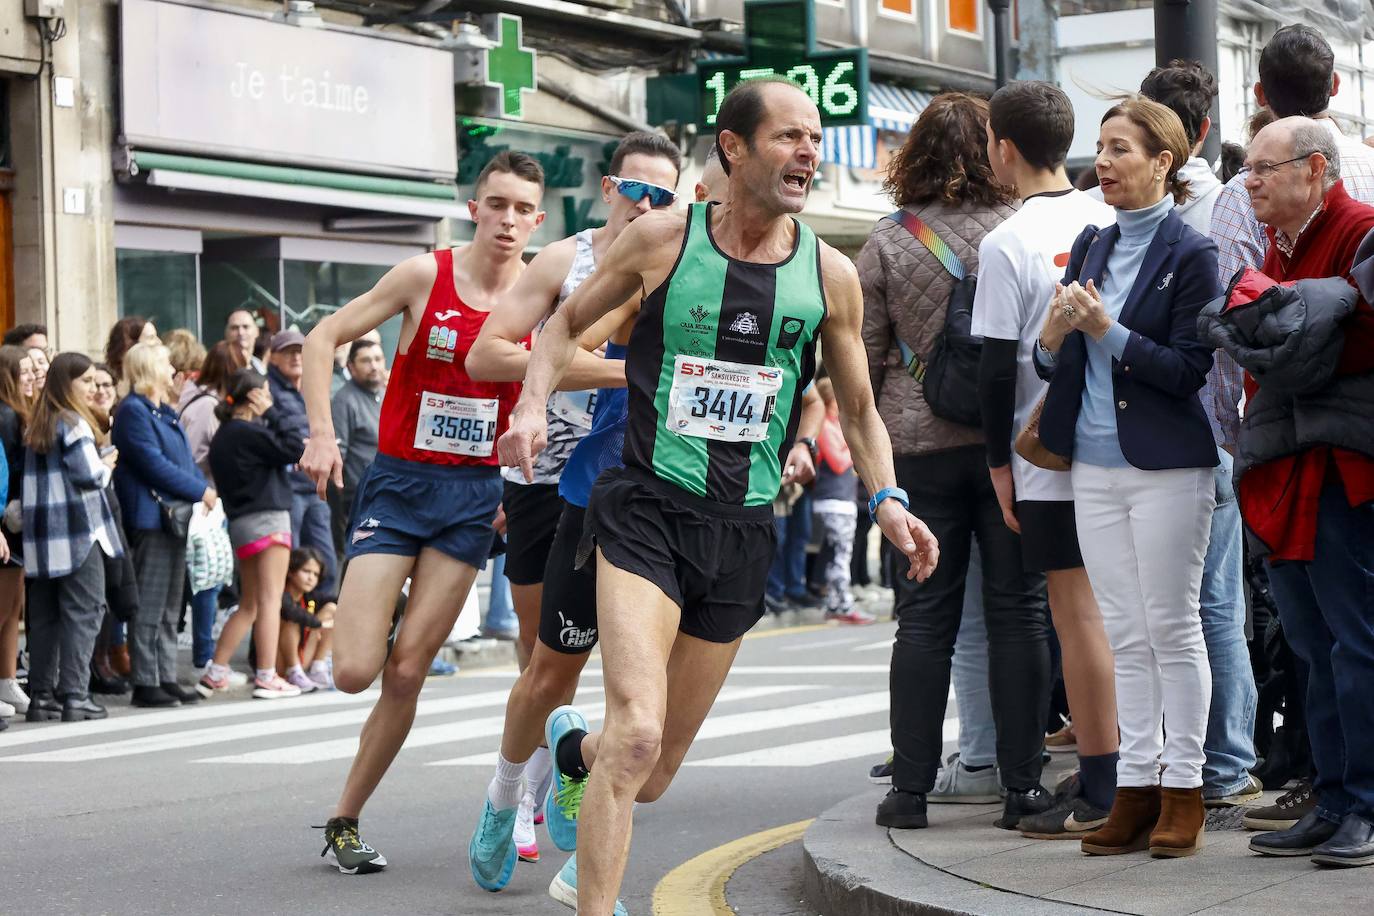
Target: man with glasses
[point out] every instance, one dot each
(1306, 481)
(542, 529)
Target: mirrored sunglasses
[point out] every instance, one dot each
(636, 190)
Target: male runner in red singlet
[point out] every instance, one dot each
(424, 511)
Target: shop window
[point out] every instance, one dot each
(904, 8)
(316, 289)
(230, 284)
(158, 285)
(963, 15)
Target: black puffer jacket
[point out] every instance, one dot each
(1289, 338)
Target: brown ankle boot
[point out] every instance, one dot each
(1134, 812)
(1181, 818)
(119, 660)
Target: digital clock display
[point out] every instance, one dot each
(779, 40)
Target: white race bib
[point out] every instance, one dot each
(574, 407)
(456, 426)
(720, 400)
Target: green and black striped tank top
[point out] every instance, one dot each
(717, 364)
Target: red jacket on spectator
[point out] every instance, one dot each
(1279, 499)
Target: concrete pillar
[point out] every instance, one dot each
(64, 261)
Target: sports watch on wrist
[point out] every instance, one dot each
(810, 443)
(886, 493)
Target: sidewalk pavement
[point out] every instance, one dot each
(963, 864)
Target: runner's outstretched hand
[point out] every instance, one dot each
(911, 537)
(527, 436)
(322, 463)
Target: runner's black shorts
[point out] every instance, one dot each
(710, 558)
(567, 617)
(532, 512)
(1049, 535)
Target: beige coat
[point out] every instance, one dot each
(905, 293)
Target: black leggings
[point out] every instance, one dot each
(952, 493)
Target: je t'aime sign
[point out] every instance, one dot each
(223, 84)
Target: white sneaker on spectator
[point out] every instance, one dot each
(13, 695)
(274, 688)
(237, 678)
(6, 710)
(322, 673)
(298, 679)
(956, 784)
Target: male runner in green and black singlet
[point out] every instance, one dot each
(736, 296)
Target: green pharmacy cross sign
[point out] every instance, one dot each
(510, 67)
(780, 38)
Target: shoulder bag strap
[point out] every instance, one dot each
(921, 231)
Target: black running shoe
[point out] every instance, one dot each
(1069, 820)
(343, 844)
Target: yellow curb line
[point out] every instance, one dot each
(697, 886)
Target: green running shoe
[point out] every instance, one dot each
(563, 888)
(491, 854)
(565, 793)
(343, 844)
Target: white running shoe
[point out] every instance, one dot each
(526, 846)
(6, 710)
(274, 688)
(322, 673)
(237, 678)
(12, 694)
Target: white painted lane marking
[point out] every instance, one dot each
(818, 752)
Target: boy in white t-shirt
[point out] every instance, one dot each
(1030, 127)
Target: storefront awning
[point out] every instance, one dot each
(890, 107)
(345, 191)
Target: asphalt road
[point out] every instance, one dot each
(209, 809)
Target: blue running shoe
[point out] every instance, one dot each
(563, 888)
(492, 850)
(565, 794)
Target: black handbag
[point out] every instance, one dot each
(174, 515)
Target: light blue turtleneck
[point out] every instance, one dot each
(1095, 437)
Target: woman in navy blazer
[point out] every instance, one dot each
(154, 458)
(1121, 353)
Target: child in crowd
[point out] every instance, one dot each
(835, 511)
(307, 630)
(249, 456)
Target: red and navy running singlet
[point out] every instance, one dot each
(433, 412)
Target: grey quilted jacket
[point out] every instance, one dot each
(905, 293)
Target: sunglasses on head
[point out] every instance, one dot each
(638, 190)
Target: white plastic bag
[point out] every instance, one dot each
(209, 555)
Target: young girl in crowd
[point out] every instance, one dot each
(307, 631)
(64, 501)
(249, 458)
(16, 399)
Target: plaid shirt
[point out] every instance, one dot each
(1241, 242)
(66, 511)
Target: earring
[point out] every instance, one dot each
(1159, 178)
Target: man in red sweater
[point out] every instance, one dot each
(1312, 509)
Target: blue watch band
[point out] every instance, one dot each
(896, 493)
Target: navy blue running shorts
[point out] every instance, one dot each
(404, 506)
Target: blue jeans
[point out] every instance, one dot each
(969, 671)
(203, 607)
(787, 576)
(310, 527)
(1230, 741)
(1326, 609)
(500, 609)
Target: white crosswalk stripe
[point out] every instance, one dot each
(745, 723)
(304, 724)
(451, 732)
(820, 751)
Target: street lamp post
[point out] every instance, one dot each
(1001, 31)
(1187, 29)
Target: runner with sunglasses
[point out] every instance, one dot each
(722, 349)
(586, 429)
